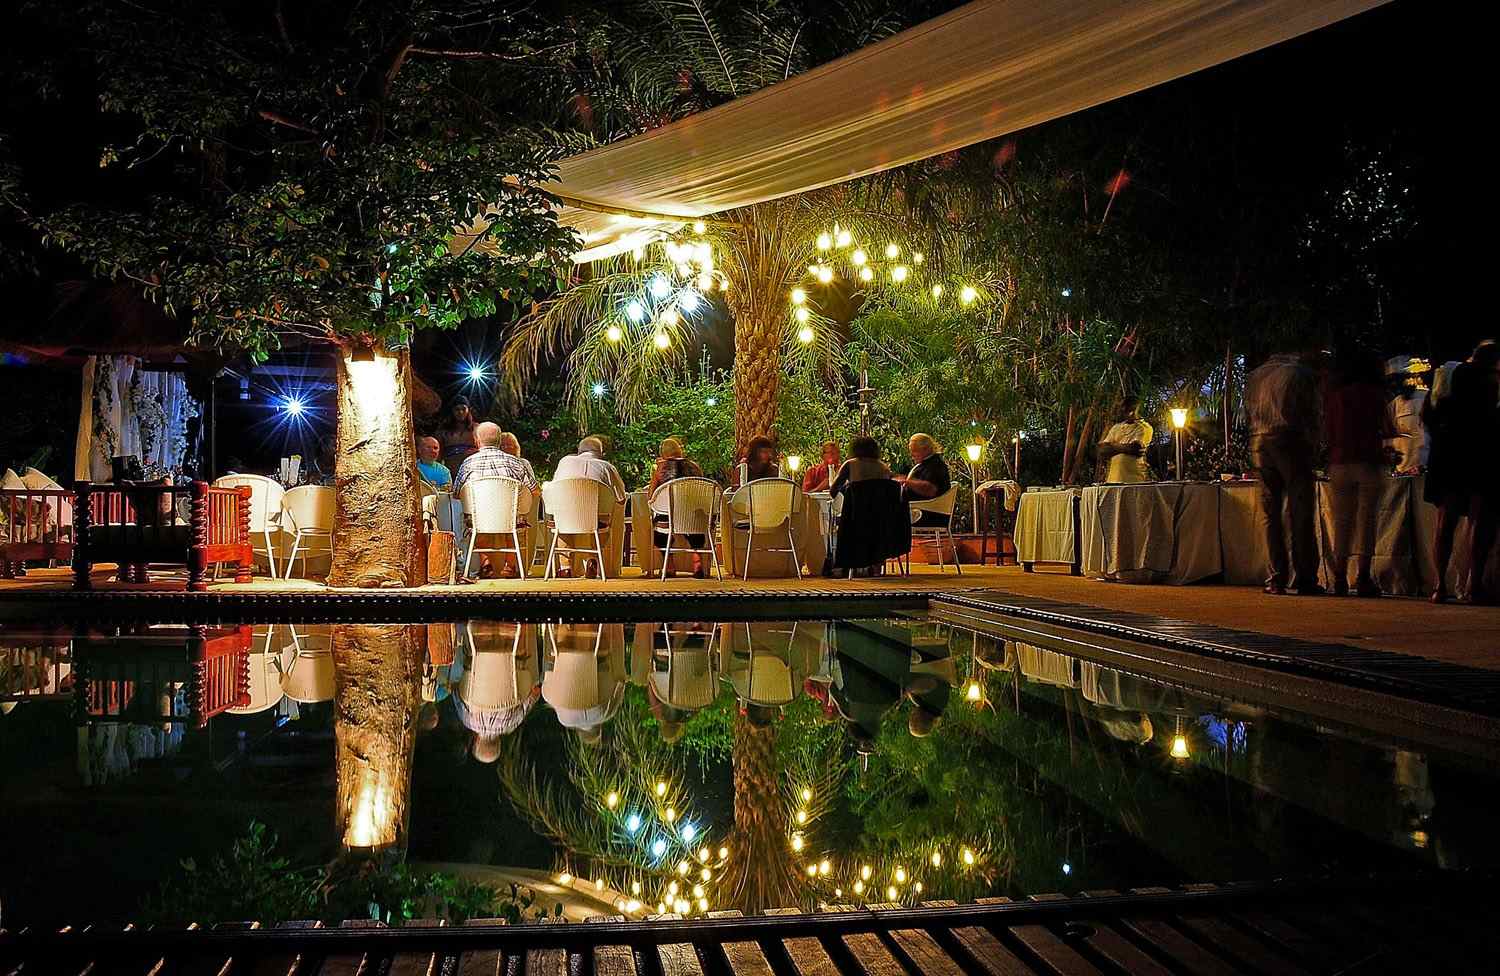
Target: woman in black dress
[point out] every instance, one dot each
(1463, 428)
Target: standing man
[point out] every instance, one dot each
(927, 479)
(435, 471)
(1124, 447)
(1281, 397)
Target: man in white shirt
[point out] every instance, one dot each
(1124, 447)
(589, 463)
(1410, 443)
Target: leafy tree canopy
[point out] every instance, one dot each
(297, 169)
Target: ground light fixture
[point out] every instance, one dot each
(1180, 750)
(794, 462)
(1179, 421)
(974, 452)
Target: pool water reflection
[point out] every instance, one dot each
(684, 766)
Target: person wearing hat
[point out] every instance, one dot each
(1404, 378)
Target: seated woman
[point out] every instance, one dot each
(672, 463)
(759, 461)
(864, 464)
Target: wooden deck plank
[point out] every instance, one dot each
(1054, 951)
(989, 952)
(482, 962)
(809, 958)
(614, 960)
(746, 959)
(1120, 950)
(923, 950)
(871, 955)
(283, 963)
(417, 963)
(546, 962)
(679, 959)
(1247, 950)
(1280, 932)
(1175, 945)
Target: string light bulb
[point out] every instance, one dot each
(974, 693)
(967, 856)
(967, 294)
(797, 842)
(865, 872)
(918, 257)
(900, 875)
(859, 257)
(892, 251)
(937, 291)
(824, 866)
(899, 273)
(825, 241)
(825, 274)
(806, 335)
(614, 334)
(705, 282)
(807, 794)
(661, 788)
(865, 274)
(843, 238)
(662, 340)
(812, 870)
(564, 878)
(802, 816)
(660, 287)
(635, 311)
(723, 853)
(802, 314)
(671, 815)
(699, 227)
(891, 893)
(937, 859)
(799, 296)
(670, 316)
(859, 887)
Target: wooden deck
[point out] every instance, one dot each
(1205, 929)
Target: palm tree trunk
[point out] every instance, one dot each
(757, 378)
(376, 537)
(760, 872)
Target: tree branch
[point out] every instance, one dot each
(279, 119)
(461, 55)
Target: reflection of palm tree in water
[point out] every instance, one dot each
(760, 873)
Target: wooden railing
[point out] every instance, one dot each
(38, 524)
(135, 525)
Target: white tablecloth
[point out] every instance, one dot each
(1046, 527)
(1162, 532)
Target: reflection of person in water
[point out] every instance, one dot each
(495, 684)
(678, 672)
(1122, 701)
(586, 681)
(770, 662)
(876, 665)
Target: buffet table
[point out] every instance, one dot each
(1159, 532)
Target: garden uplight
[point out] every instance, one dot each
(1179, 417)
(794, 461)
(975, 452)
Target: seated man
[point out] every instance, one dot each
(489, 461)
(927, 479)
(434, 471)
(1124, 447)
(589, 463)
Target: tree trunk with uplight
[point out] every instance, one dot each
(377, 672)
(375, 535)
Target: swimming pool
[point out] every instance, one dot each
(694, 765)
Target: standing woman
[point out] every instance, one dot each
(456, 435)
(1463, 427)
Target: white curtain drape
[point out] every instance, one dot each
(981, 71)
(128, 410)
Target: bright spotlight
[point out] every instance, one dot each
(294, 406)
(598, 390)
(660, 287)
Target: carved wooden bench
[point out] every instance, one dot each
(136, 525)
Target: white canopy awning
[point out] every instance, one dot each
(985, 69)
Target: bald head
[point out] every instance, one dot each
(487, 434)
(428, 448)
(591, 445)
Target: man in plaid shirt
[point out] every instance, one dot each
(492, 462)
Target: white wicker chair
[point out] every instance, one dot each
(309, 679)
(573, 507)
(307, 513)
(691, 506)
(767, 504)
(266, 496)
(935, 534)
(495, 506)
